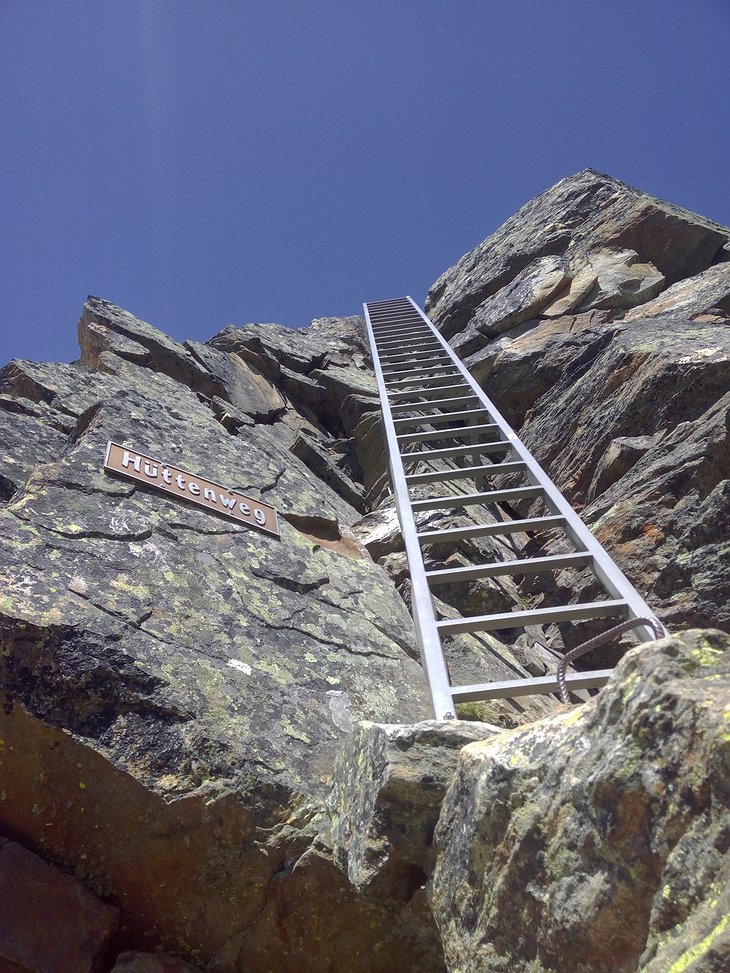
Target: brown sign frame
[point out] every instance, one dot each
(129, 462)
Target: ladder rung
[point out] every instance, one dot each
(499, 446)
(385, 308)
(411, 356)
(433, 356)
(403, 383)
(464, 472)
(468, 499)
(461, 472)
(401, 333)
(537, 616)
(390, 341)
(448, 534)
(427, 392)
(400, 321)
(405, 328)
(455, 432)
(424, 370)
(396, 367)
(527, 566)
(435, 404)
(398, 305)
(508, 688)
(441, 417)
(397, 319)
(413, 351)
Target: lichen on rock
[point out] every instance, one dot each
(597, 839)
(221, 734)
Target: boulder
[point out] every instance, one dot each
(332, 462)
(318, 367)
(597, 839)
(388, 785)
(521, 365)
(522, 298)
(105, 328)
(622, 454)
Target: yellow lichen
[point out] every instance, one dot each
(699, 949)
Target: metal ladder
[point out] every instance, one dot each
(427, 396)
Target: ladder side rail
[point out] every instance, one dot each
(614, 580)
(424, 616)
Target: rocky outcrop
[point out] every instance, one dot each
(183, 682)
(578, 219)
(177, 686)
(596, 319)
(598, 839)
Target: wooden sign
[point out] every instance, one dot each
(183, 485)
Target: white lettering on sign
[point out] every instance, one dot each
(198, 490)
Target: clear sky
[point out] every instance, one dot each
(201, 162)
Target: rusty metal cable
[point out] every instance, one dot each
(599, 640)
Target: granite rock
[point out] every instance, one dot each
(388, 785)
(597, 840)
(519, 300)
(607, 278)
(577, 216)
(175, 686)
(618, 390)
(707, 293)
(661, 391)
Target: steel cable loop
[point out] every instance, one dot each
(599, 640)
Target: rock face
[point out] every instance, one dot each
(76, 926)
(580, 218)
(132, 962)
(597, 320)
(177, 687)
(597, 840)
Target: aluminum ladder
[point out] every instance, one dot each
(427, 396)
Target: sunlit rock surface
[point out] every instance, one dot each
(620, 384)
(598, 839)
(177, 688)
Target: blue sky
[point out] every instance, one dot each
(202, 163)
